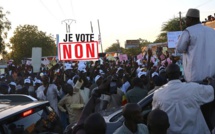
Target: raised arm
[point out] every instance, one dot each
(183, 42)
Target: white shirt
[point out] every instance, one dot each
(181, 102)
(197, 43)
(141, 129)
(51, 96)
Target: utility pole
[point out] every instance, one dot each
(91, 26)
(100, 38)
(180, 21)
(68, 22)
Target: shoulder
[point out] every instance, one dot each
(119, 130)
(129, 92)
(143, 128)
(158, 92)
(40, 88)
(205, 88)
(194, 84)
(159, 89)
(53, 86)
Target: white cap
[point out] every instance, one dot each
(141, 73)
(38, 81)
(97, 77)
(2, 76)
(139, 62)
(154, 74)
(42, 74)
(13, 83)
(81, 67)
(69, 81)
(83, 70)
(119, 69)
(27, 81)
(18, 87)
(68, 66)
(101, 71)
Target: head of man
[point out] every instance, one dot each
(173, 71)
(14, 74)
(38, 83)
(83, 76)
(132, 113)
(158, 122)
(137, 82)
(192, 17)
(67, 88)
(27, 82)
(95, 124)
(143, 77)
(45, 79)
(159, 51)
(120, 72)
(12, 85)
(4, 88)
(158, 81)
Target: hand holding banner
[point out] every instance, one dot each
(140, 56)
(123, 57)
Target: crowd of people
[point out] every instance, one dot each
(70, 84)
(79, 90)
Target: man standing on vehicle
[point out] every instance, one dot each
(197, 43)
(182, 101)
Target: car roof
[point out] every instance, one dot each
(146, 100)
(17, 98)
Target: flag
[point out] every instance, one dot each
(124, 100)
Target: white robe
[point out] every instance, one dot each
(181, 102)
(51, 96)
(197, 43)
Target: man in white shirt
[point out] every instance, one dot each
(197, 43)
(49, 92)
(182, 101)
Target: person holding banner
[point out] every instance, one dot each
(197, 43)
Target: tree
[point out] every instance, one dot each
(144, 42)
(129, 51)
(114, 48)
(132, 51)
(171, 25)
(5, 26)
(28, 36)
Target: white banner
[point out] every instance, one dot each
(172, 38)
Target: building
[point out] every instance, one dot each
(132, 44)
